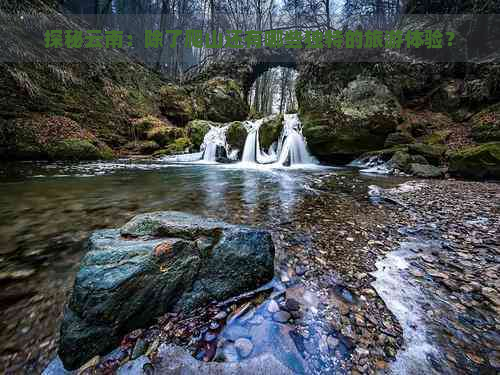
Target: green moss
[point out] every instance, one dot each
(142, 147)
(477, 162)
(196, 131)
(437, 137)
(179, 146)
(433, 153)
(486, 124)
(73, 149)
(270, 131)
(236, 135)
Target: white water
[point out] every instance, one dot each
(251, 151)
(215, 137)
(371, 164)
(292, 147)
(406, 301)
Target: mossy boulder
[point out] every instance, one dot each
(223, 99)
(437, 137)
(270, 131)
(433, 153)
(56, 138)
(141, 147)
(425, 170)
(236, 135)
(151, 128)
(481, 161)
(486, 125)
(218, 99)
(400, 160)
(177, 104)
(360, 120)
(398, 138)
(78, 149)
(196, 131)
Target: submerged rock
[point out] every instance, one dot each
(152, 265)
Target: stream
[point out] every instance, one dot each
(48, 210)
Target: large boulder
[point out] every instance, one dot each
(486, 124)
(156, 263)
(236, 135)
(197, 129)
(360, 120)
(224, 100)
(218, 99)
(54, 138)
(477, 162)
(270, 131)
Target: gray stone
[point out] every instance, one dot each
(151, 266)
(281, 316)
(244, 347)
(425, 170)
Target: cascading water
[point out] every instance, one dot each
(214, 146)
(292, 147)
(251, 151)
(213, 140)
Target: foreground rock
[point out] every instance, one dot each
(156, 263)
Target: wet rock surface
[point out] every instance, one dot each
(178, 260)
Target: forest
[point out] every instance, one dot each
(249, 187)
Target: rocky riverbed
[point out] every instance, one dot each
(333, 307)
(347, 252)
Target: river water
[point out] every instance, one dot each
(48, 210)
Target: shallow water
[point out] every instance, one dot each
(48, 210)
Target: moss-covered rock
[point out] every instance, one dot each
(486, 125)
(217, 99)
(178, 104)
(76, 149)
(141, 147)
(196, 131)
(400, 160)
(433, 153)
(425, 170)
(236, 135)
(270, 131)
(359, 121)
(398, 138)
(477, 162)
(437, 137)
(223, 99)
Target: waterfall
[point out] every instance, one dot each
(292, 148)
(251, 151)
(214, 146)
(214, 141)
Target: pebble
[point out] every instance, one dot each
(244, 347)
(292, 305)
(281, 316)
